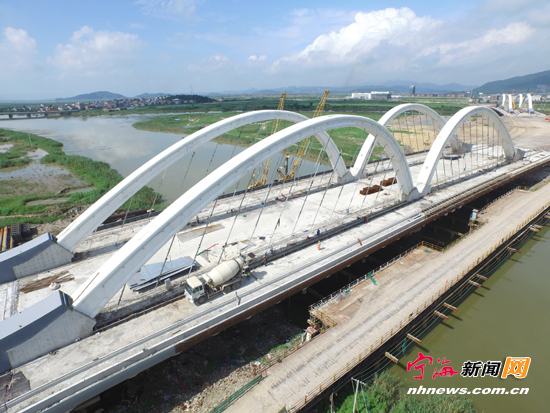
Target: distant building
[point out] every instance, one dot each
(361, 95)
(380, 95)
(412, 90)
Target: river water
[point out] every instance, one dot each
(507, 317)
(113, 140)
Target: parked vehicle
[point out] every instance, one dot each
(225, 278)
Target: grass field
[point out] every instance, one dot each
(348, 140)
(15, 194)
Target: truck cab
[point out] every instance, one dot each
(195, 290)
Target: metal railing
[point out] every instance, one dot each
(315, 307)
(227, 402)
(434, 209)
(327, 383)
(511, 191)
(343, 290)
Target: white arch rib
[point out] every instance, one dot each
(110, 278)
(366, 150)
(74, 234)
(447, 133)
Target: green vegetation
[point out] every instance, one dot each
(196, 98)
(385, 395)
(348, 140)
(17, 193)
(16, 155)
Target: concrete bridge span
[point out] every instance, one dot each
(110, 278)
(83, 226)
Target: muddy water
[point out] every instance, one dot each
(507, 317)
(113, 140)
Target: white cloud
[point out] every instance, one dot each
(218, 58)
(398, 44)
(355, 41)
(16, 49)
(512, 34)
(258, 58)
(168, 8)
(93, 51)
(213, 63)
(511, 7)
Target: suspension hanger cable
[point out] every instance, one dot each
(355, 189)
(236, 216)
(157, 194)
(370, 184)
(318, 164)
(124, 220)
(324, 193)
(162, 269)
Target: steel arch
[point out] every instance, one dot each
(110, 278)
(447, 134)
(366, 150)
(74, 234)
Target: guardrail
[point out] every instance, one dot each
(343, 290)
(434, 209)
(274, 357)
(315, 307)
(327, 383)
(227, 402)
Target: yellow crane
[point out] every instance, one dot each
(302, 148)
(267, 164)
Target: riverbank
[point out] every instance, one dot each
(348, 140)
(381, 317)
(41, 184)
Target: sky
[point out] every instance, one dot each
(65, 48)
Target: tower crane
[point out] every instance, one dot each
(302, 148)
(267, 164)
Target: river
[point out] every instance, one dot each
(113, 140)
(507, 317)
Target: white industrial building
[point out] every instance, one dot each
(372, 95)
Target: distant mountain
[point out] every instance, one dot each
(150, 95)
(103, 95)
(519, 84)
(395, 87)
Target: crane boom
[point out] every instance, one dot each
(303, 145)
(267, 163)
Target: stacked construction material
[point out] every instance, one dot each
(5, 239)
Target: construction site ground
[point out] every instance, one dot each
(344, 307)
(375, 310)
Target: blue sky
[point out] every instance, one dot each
(65, 48)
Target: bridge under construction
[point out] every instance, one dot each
(99, 328)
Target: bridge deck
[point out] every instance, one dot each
(101, 361)
(371, 311)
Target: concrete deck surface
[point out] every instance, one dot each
(374, 310)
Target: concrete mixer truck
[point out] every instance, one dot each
(224, 278)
